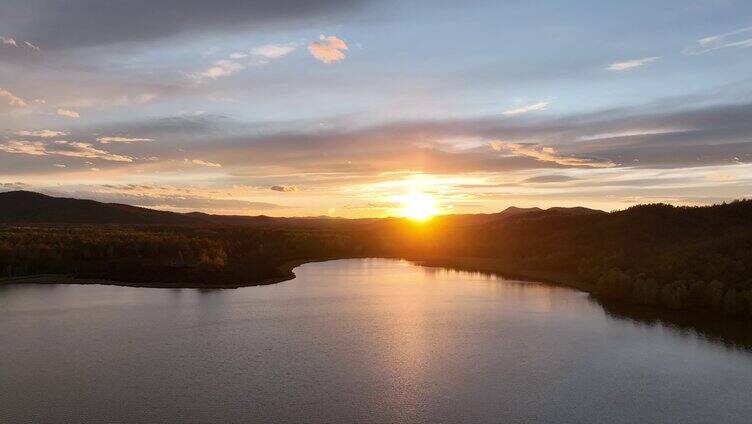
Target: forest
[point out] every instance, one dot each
(680, 258)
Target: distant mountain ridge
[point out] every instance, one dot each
(31, 207)
(512, 213)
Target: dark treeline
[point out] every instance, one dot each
(171, 254)
(673, 257)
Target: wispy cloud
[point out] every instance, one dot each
(285, 188)
(126, 140)
(14, 186)
(740, 38)
(61, 148)
(68, 113)
(201, 162)
(525, 109)
(32, 46)
(631, 133)
(548, 154)
(12, 99)
(631, 64)
(239, 61)
(41, 133)
(548, 179)
(221, 68)
(272, 51)
(34, 148)
(328, 49)
(9, 41)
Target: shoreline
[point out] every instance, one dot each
(708, 325)
(468, 264)
(286, 268)
(492, 266)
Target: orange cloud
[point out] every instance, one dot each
(12, 99)
(68, 113)
(548, 154)
(202, 162)
(41, 133)
(61, 148)
(285, 188)
(328, 49)
(126, 140)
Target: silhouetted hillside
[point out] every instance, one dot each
(29, 207)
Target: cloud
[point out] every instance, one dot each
(8, 41)
(548, 154)
(239, 61)
(631, 64)
(60, 148)
(126, 140)
(631, 133)
(328, 49)
(34, 148)
(68, 113)
(14, 186)
(285, 188)
(273, 51)
(553, 178)
(525, 109)
(12, 99)
(32, 46)
(740, 38)
(41, 133)
(202, 162)
(222, 68)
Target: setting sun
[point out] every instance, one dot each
(418, 206)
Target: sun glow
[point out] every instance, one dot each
(418, 206)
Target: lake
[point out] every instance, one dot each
(366, 340)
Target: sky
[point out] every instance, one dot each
(347, 108)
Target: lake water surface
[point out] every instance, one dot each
(367, 340)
